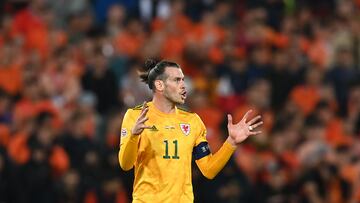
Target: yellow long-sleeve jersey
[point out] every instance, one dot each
(162, 155)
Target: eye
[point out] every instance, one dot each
(178, 80)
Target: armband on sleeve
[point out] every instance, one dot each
(201, 150)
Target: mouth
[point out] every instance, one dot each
(183, 95)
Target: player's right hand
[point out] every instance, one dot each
(140, 122)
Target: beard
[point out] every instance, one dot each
(174, 97)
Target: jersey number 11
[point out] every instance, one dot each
(166, 156)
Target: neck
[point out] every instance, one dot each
(163, 104)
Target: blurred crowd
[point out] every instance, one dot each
(68, 72)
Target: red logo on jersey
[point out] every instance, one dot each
(185, 128)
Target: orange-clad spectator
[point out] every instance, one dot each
(348, 169)
(10, 70)
(267, 165)
(59, 160)
(31, 25)
(304, 44)
(290, 158)
(189, 67)
(334, 128)
(90, 197)
(273, 38)
(58, 38)
(28, 18)
(319, 51)
(18, 150)
(38, 143)
(280, 40)
(257, 99)
(74, 137)
(350, 173)
(4, 135)
(60, 78)
(305, 98)
(211, 116)
(32, 104)
(37, 40)
(207, 33)
(216, 55)
(22, 111)
(206, 81)
(258, 33)
(130, 41)
(27, 109)
(177, 18)
(10, 79)
(113, 191)
(180, 21)
(307, 95)
(6, 31)
(247, 160)
(173, 44)
(335, 193)
(346, 176)
(121, 196)
(112, 129)
(314, 148)
(209, 36)
(335, 134)
(86, 105)
(280, 143)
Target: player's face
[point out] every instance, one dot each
(174, 85)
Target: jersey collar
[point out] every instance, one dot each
(160, 113)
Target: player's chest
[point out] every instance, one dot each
(169, 139)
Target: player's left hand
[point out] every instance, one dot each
(240, 131)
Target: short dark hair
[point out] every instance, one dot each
(155, 70)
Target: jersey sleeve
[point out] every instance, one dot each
(128, 142)
(201, 148)
(208, 163)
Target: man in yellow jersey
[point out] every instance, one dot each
(160, 140)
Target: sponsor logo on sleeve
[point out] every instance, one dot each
(123, 132)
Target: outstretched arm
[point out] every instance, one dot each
(210, 164)
(130, 135)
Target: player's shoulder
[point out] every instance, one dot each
(186, 112)
(138, 107)
(183, 110)
(135, 110)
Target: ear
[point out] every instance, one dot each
(159, 85)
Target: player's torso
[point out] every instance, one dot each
(163, 163)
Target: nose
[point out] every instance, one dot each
(182, 85)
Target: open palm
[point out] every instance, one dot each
(240, 131)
